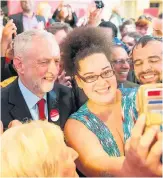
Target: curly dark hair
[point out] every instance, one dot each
(83, 42)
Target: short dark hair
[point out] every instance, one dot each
(81, 43)
(145, 40)
(57, 26)
(109, 24)
(134, 35)
(127, 22)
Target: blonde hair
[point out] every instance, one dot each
(42, 8)
(31, 150)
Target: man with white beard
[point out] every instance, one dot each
(31, 95)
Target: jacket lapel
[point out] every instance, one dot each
(21, 22)
(20, 109)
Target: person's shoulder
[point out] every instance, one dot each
(16, 15)
(5, 90)
(78, 117)
(131, 84)
(7, 81)
(81, 112)
(39, 17)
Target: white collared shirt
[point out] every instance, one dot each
(31, 101)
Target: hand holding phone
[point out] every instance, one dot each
(150, 102)
(8, 33)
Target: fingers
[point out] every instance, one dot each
(159, 170)
(1, 127)
(146, 140)
(62, 75)
(137, 131)
(159, 136)
(8, 30)
(153, 159)
(64, 80)
(14, 123)
(127, 145)
(68, 78)
(68, 84)
(11, 25)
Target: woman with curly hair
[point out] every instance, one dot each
(99, 130)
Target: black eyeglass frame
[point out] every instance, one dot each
(97, 76)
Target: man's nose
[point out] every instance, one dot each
(126, 65)
(146, 66)
(53, 68)
(144, 31)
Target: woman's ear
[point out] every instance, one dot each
(78, 81)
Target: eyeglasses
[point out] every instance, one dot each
(145, 17)
(122, 61)
(157, 38)
(93, 78)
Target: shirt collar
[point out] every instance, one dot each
(30, 98)
(24, 15)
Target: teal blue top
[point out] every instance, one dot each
(102, 132)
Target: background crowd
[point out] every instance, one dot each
(81, 76)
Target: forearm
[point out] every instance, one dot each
(3, 49)
(102, 167)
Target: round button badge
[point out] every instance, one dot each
(54, 115)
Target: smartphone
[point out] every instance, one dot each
(99, 4)
(150, 102)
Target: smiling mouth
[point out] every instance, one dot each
(123, 73)
(150, 76)
(103, 90)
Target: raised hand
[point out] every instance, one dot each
(143, 151)
(64, 80)
(8, 31)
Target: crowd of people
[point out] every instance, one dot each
(69, 93)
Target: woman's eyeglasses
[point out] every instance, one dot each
(93, 78)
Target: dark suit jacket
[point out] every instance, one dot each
(7, 70)
(13, 105)
(18, 20)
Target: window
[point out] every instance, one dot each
(155, 5)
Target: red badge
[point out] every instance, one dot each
(54, 115)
